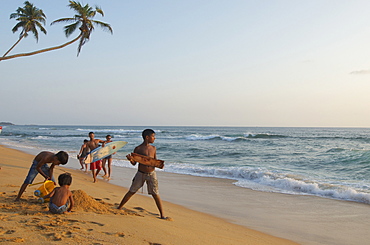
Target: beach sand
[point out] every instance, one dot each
(96, 220)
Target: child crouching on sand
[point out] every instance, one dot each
(61, 198)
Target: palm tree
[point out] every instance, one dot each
(83, 20)
(30, 18)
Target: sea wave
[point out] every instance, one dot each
(242, 137)
(127, 131)
(263, 136)
(264, 180)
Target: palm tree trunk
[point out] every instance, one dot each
(7, 52)
(40, 51)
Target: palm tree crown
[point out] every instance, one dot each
(30, 18)
(84, 21)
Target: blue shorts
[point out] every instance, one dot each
(32, 173)
(57, 210)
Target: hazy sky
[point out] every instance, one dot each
(219, 62)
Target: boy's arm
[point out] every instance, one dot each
(101, 141)
(155, 152)
(51, 170)
(71, 202)
(129, 157)
(38, 168)
(51, 194)
(82, 147)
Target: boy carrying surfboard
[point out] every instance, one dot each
(92, 144)
(145, 171)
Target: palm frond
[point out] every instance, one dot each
(35, 33)
(63, 20)
(41, 28)
(104, 26)
(68, 30)
(99, 10)
(17, 26)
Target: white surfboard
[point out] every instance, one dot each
(101, 152)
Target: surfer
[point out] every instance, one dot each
(107, 159)
(93, 144)
(145, 173)
(82, 154)
(40, 166)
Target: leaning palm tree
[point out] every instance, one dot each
(83, 20)
(30, 18)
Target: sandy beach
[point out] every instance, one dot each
(96, 220)
(203, 211)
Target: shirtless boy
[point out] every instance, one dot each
(61, 198)
(145, 173)
(107, 159)
(40, 166)
(93, 144)
(84, 150)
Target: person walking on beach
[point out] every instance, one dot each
(82, 154)
(93, 144)
(61, 198)
(107, 159)
(145, 173)
(40, 166)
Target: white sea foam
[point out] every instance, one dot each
(264, 180)
(41, 138)
(196, 137)
(118, 131)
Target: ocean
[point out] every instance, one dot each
(326, 162)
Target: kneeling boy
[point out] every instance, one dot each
(61, 198)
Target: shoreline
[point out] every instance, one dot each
(29, 221)
(303, 219)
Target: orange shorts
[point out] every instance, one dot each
(95, 165)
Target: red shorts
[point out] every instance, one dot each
(95, 165)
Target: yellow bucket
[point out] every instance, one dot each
(46, 187)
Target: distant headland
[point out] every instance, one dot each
(6, 123)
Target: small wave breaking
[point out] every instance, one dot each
(264, 180)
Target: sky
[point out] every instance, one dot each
(281, 63)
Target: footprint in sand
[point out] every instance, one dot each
(96, 223)
(55, 236)
(118, 234)
(126, 211)
(12, 239)
(9, 231)
(142, 210)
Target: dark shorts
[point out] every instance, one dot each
(57, 210)
(32, 173)
(108, 157)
